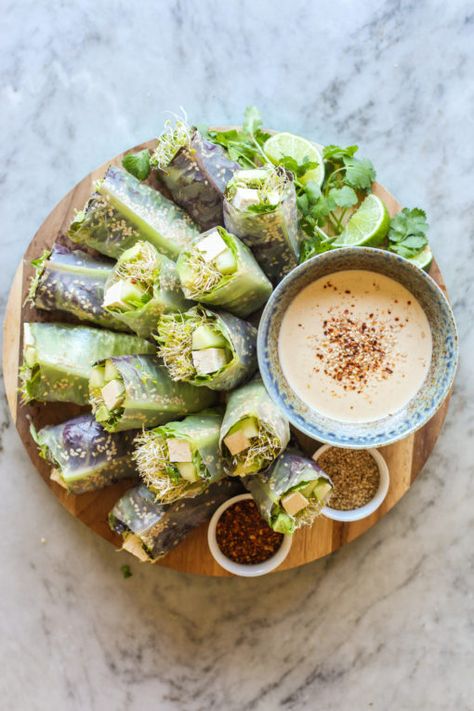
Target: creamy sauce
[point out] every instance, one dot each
(355, 346)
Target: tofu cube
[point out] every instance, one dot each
(244, 197)
(209, 360)
(237, 442)
(294, 502)
(251, 174)
(179, 450)
(112, 394)
(211, 246)
(133, 545)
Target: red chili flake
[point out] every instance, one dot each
(244, 537)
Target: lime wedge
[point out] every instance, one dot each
(287, 144)
(423, 259)
(368, 225)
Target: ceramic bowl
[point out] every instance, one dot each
(443, 363)
(372, 505)
(245, 571)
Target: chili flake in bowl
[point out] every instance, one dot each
(242, 542)
(360, 480)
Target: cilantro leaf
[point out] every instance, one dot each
(126, 572)
(360, 173)
(343, 197)
(138, 164)
(336, 153)
(244, 146)
(408, 232)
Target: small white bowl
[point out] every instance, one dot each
(246, 571)
(373, 504)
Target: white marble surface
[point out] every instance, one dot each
(386, 623)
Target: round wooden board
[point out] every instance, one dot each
(405, 459)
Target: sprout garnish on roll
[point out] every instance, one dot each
(71, 280)
(143, 285)
(206, 347)
(291, 493)
(194, 170)
(58, 359)
(218, 269)
(254, 431)
(181, 459)
(150, 529)
(84, 456)
(123, 211)
(260, 208)
(130, 392)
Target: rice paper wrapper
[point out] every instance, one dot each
(151, 397)
(71, 280)
(240, 293)
(252, 400)
(272, 236)
(125, 211)
(158, 528)
(196, 178)
(84, 456)
(64, 356)
(167, 297)
(290, 469)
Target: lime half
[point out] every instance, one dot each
(423, 259)
(287, 144)
(368, 225)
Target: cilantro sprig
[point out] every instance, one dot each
(243, 145)
(407, 235)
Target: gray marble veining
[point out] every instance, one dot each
(387, 622)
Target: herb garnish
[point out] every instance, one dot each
(243, 145)
(138, 164)
(126, 572)
(407, 233)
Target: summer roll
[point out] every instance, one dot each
(291, 493)
(254, 431)
(195, 171)
(260, 208)
(58, 359)
(181, 459)
(216, 268)
(205, 347)
(84, 456)
(128, 392)
(143, 285)
(123, 210)
(150, 529)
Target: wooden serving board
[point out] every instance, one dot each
(405, 459)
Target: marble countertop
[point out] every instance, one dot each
(387, 622)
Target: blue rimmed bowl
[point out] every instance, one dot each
(443, 362)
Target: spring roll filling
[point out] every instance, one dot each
(135, 275)
(107, 392)
(258, 190)
(166, 478)
(209, 262)
(252, 445)
(192, 346)
(300, 504)
(173, 138)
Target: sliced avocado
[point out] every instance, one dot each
(283, 523)
(110, 372)
(322, 490)
(97, 379)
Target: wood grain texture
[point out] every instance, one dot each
(405, 459)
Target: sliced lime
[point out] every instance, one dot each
(424, 258)
(368, 225)
(282, 145)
